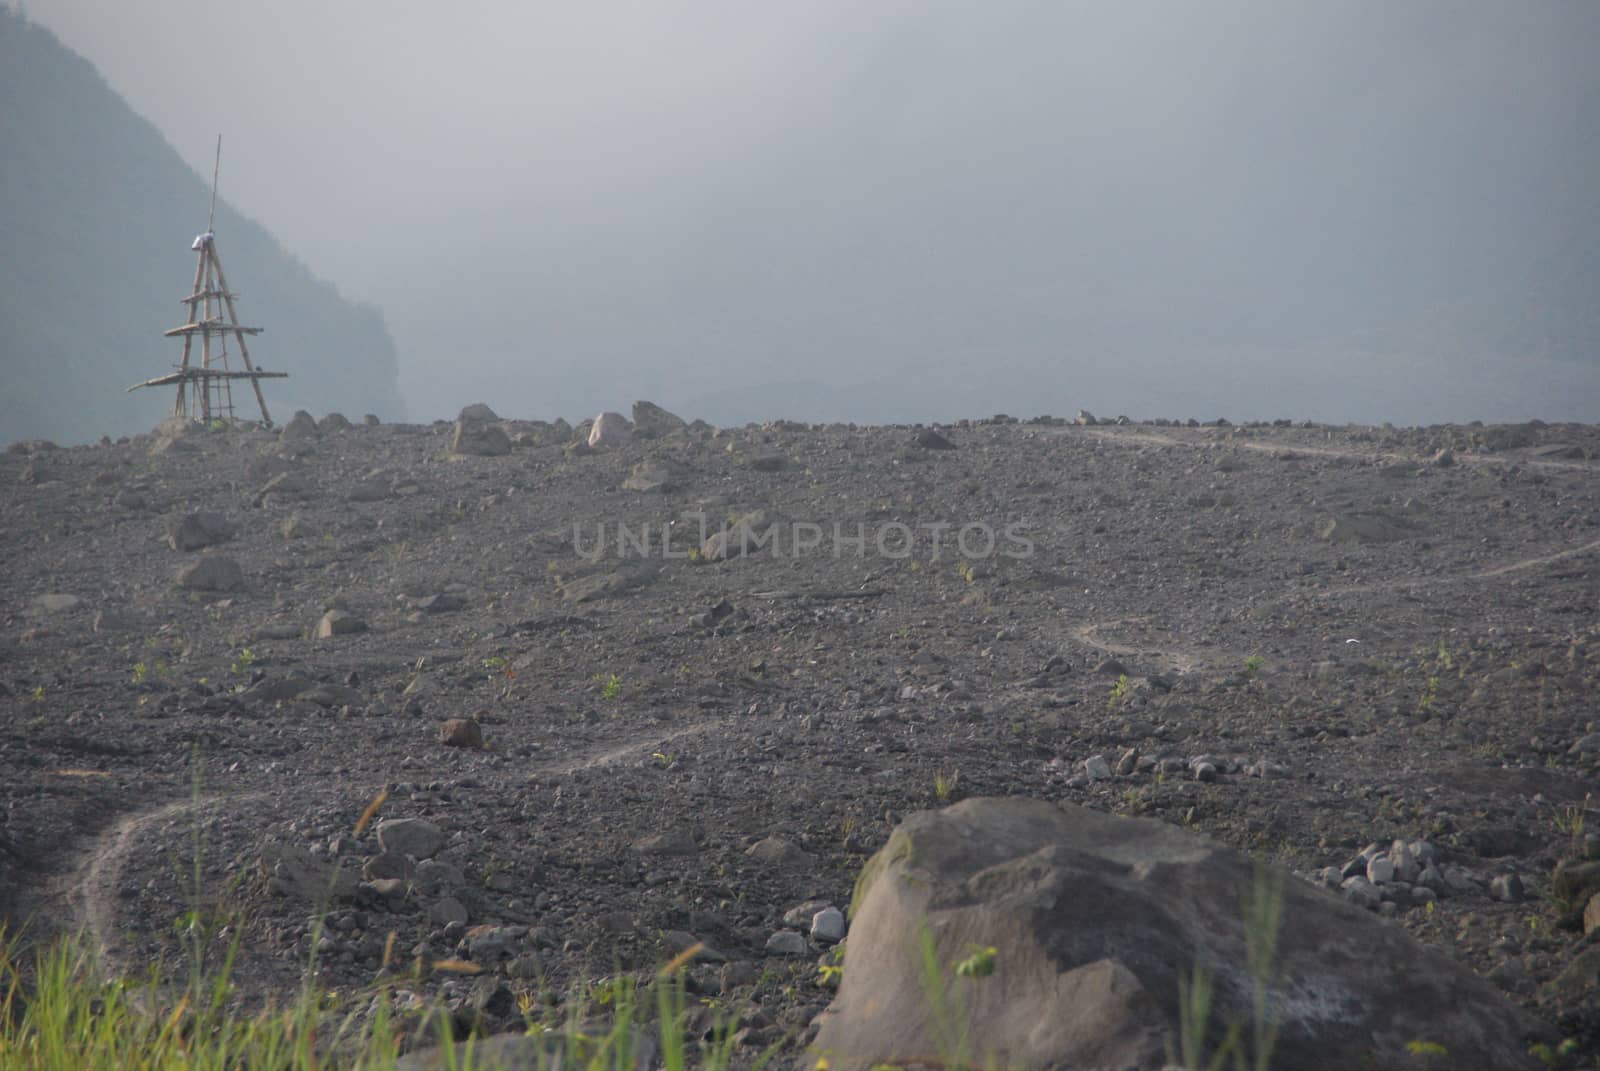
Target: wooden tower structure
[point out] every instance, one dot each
(204, 376)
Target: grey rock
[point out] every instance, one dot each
(446, 911)
(675, 841)
(1367, 528)
(650, 420)
(1360, 891)
(415, 837)
(928, 439)
(1097, 768)
(827, 925)
(776, 852)
(388, 865)
(769, 461)
(1380, 871)
(1586, 745)
(194, 531)
(472, 439)
(786, 943)
(1406, 866)
(53, 603)
(651, 477)
(211, 573)
(440, 874)
(477, 413)
(339, 623)
(333, 422)
(1507, 888)
(609, 429)
(1096, 918)
(301, 428)
(294, 872)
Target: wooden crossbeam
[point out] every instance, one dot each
(187, 374)
(213, 327)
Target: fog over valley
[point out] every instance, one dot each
(906, 211)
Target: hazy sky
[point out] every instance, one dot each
(962, 206)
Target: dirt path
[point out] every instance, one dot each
(87, 896)
(1156, 438)
(1184, 659)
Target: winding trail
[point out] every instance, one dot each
(1186, 659)
(1156, 438)
(86, 896)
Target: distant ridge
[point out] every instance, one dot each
(97, 212)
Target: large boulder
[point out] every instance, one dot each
(477, 413)
(476, 439)
(610, 429)
(649, 419)
(1062, 935)
(301, 428)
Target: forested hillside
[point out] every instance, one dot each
(97, 213)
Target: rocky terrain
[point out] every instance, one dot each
(1369, 654)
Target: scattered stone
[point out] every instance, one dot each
(591, 586)
(1591, 914)
(650, 420)
(339, 623)
(777, 852)
(301, 428)
(827, 926)
(477, 413)
(1380, 871)
(786, 943)
(294, 872)
(48, 605)
(1086, 418)
(446, 911)
(295, 527)
(415, 837)
(609, 429)
(1444, 458)
(388, 865)
(1097, 768)
(474, 439)
(1128, 762)
(929, 439)
(1586, 745)
(333, 422)
(212, 573)
(1366, 528)
(675, 841)
(442, 603)
(461, 732)
(193, 531)
(650, 477)
(769, 461)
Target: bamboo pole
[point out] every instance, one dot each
(244, 353)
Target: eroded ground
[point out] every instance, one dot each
(1427, 670)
